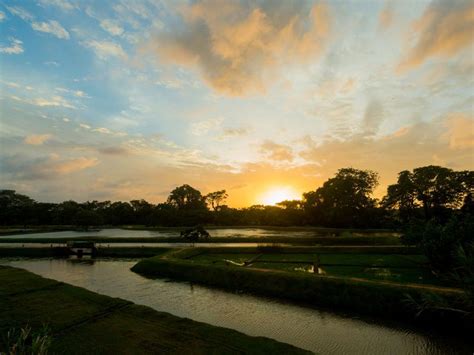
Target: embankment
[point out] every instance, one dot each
(376, 298)
(84, 322)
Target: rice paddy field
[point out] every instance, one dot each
(401, 268)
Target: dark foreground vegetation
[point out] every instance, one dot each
(260, 271)
(39, 315)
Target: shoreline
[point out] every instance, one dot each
(82, 321)
(366, 297)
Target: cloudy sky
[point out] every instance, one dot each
(128, 99)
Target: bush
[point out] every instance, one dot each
(440, 243)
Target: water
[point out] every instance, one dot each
(215, 233)
(144, 245)
(316, 330)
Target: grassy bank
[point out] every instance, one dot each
(81, 322)
(364, 296)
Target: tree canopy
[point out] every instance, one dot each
(344, 200)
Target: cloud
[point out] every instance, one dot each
(105, 49)
(444, 29)
(65, 5)
(52, 63)
(21, 167)
(102, 130)
(54, 101)
(113, 151)
(111, 27)
(15, 47)
(278, 152)
(37, 139)
(203, 127)
(233, 132)
(53, 27)
(460, 131)
(410, 147)
(239, 48)
(373, 117)
(20, 12)
(73, 165)
(80, 93)
(386, 16)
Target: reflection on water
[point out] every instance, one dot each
(143, 245)
(311, 329)
(124, 233)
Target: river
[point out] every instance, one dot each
(312, 329)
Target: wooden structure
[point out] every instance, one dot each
(81, 248)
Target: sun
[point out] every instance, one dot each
(277, 194)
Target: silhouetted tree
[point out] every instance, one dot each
(15, 208)
(120, 213)
(402, 196)
(186, 197)
(214, 199)
(143, 211)
(436, 189)
(343, 200)
(64, 212)
(86, 218)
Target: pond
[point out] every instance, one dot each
(167, 233)
(312, 329)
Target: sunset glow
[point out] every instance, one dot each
(112, 100)
(279, 194)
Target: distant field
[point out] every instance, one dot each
(387, 267)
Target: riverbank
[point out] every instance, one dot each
(42, 250)
(378, 298)
(82, 321)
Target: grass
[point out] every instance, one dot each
(365, 289)
(386, 267)
(84, 322)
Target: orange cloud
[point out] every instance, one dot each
(445, 29)
(37, 139)
(460, 131)
(278, 152)
(386, 16)
(73, 165)
(238, 48)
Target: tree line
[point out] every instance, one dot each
(344, 201)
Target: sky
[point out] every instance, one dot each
(127, 99)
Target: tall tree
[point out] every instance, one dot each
(186, 197)
(215, 199)
(344, 200)
(402, 196)
(436, 189)
(15, 208)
